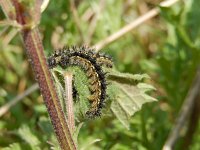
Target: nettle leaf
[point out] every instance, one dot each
(45, 125)
(27, 135)
(90, 145)
(59, 79)
(19, 146)
(129, 95)
(15, 146)
(126, 77)
(76, 132)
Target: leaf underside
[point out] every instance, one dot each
(130, 95)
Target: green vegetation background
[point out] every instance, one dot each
(166, 47)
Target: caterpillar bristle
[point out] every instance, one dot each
(91, 62)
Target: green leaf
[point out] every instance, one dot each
(45, 125)
(145, 87)
(59, 80)
(128, 96)
(88, 144)
(18, 146)
(26, 134)
(76, 132)
(14, 146)
(127, 77)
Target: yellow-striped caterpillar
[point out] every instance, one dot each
(91, 62)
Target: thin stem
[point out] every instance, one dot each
(12, 23)
(10, 35)
(17, 99)
(69, 100)
(8, 9)
(185, 112)
(94, 22)
(76, 18)
(87, 14)
(126, 29)
(192, 125)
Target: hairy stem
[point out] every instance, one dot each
(69, 100)
(35, 52)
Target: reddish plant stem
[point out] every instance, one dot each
(35, 52)
(43, 76)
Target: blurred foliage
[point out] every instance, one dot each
(166, 47)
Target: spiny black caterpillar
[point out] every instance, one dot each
(91, 62)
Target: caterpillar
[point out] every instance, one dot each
(91, 62)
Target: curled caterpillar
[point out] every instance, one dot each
(91, 62)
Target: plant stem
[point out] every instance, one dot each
(35, 52)
(69, 100)
(185, 113)
(43, 76)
